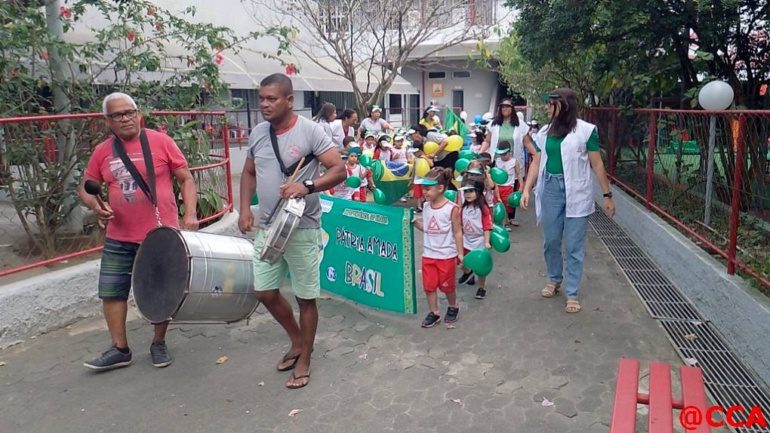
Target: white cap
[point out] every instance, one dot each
(376, 108)
(463, 115)
(433, 109)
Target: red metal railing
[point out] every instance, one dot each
(33, 145)
(660, 157)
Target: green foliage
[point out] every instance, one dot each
(626, 52)
(160, 57)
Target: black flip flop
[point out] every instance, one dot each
(290, 366)
(303, 376)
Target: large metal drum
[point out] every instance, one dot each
(194, 277)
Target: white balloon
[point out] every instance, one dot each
(716, 95)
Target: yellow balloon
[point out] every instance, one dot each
(454, 143)
(430, 147)
(421, 167)
(369, 152)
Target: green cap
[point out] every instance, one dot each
(425, 182)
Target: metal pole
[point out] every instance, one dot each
(228, 170)
(735, 203)
(710, 170)
(651, 160)
(613, 132)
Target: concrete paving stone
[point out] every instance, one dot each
(566, 407)
(514, 341)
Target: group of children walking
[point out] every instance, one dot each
(454, 229)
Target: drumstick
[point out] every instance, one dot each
(296, 170)
(291, 179)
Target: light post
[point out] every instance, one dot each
(714, 96)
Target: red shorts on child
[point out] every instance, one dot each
(505, 192)
(438, 274)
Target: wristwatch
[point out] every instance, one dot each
(607, 194)
(310, 185)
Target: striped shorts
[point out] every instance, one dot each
(116, 268)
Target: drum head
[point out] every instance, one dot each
(161, 274)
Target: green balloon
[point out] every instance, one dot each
(499, 176)
(499, 230)
(365, 160)
(379, 196)
(353, 182)
(515, 199)
(501, 244)
(467, 154)
(498, 213)
(479, 261)
(377, 170)
(451, 195)
(462, 164)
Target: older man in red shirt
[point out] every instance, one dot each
(135, 207)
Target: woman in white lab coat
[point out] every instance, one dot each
(567, 152)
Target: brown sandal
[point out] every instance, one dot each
(550, 290)
(573, 306)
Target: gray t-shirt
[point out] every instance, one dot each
(304, 138)
(370, 125)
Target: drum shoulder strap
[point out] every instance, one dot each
(287, 171)
(147, 187)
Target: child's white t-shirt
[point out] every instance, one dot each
(509, 167)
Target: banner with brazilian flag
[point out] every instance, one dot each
(368, 254)
(454, 123)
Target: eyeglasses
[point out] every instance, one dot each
(127, 115)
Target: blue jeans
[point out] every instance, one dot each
(556, 226)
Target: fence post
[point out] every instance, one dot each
(651, 160)
(228, 171)
(613, 132)
(735, 203)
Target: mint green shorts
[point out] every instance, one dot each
(302, 259)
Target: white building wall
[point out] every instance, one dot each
(479, 90)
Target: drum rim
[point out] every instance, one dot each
(178, 233)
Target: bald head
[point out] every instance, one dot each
(281, 81)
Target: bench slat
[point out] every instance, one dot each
(661, 418)
(694, 393)
(624, 407)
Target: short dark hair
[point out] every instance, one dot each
(347, 113)
(280, 80)
(504, 145)
(347, 140)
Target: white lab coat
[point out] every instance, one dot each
(578, 180)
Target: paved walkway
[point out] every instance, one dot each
(371, 372)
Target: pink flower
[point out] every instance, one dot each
(763, 90)
(219, 58)
(65, 12)
(150, 10)
(131, 35)
(291, 69)
(44, 55)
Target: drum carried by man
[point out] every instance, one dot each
(283, 165)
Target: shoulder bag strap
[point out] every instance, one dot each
(287, 171)
(147, 187)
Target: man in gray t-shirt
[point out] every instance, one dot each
(297, 137)
(304, 138)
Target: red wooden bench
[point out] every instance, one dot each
(660, 400)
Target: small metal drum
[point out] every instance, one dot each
(194, 277)
(281, 229)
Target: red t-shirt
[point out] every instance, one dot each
(134, 215)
